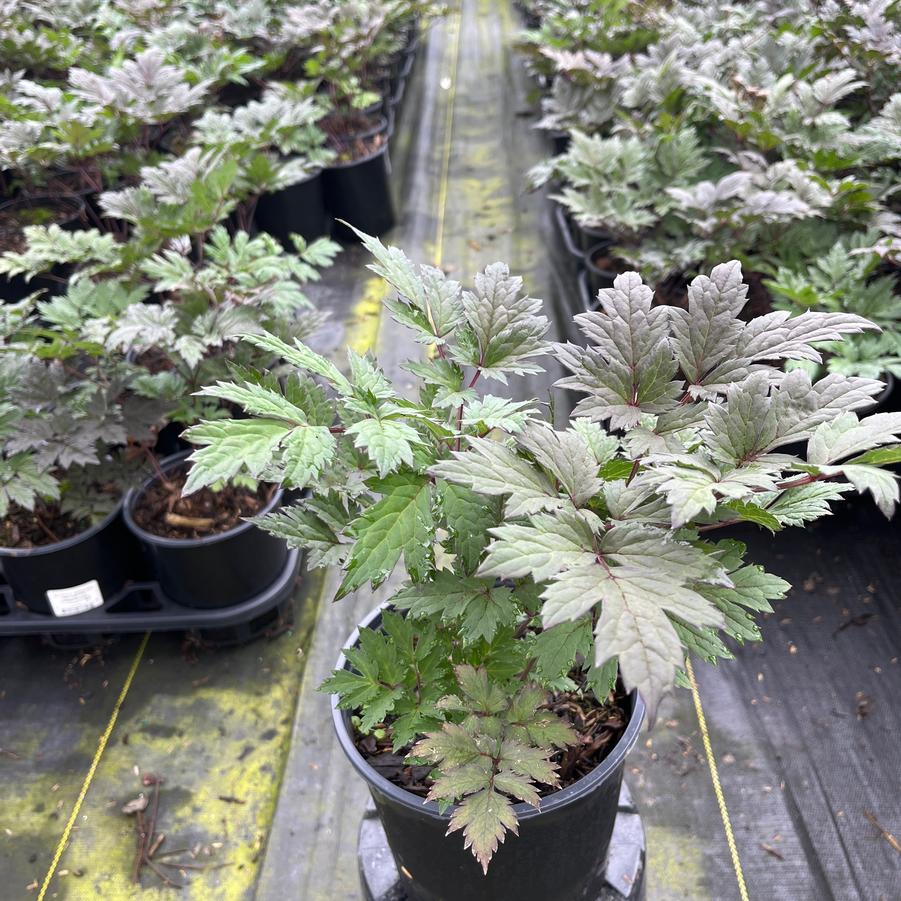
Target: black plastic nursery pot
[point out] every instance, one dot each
(559, 854)
(213, 571)
(597, 267)
(587, 237)
(560, 141)
(359, 192)
(299, 209)
(565, 230)
(76, 574)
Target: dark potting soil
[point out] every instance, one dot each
(598, 726)
(14, 216)
(43, 526)
(673, 292)
(154, 361)
(161, 510)
(350, 136)
(608, 263)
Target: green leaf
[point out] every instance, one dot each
(555, 649)
(476, 604)
(752, 513)
(469, 516)
(232, 446)
(453, 746)
(256, 400)
(484, 818)
(880, 456)
(302, 528)
(305, 452)
(303, 358)
(806, 503)
(483, 695)
(616, 470)
(387, 442)
(602, 679)
(399, 524)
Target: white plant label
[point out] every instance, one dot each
(77, 599)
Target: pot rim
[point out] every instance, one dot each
(66, 543)
(589, 303)
(562, 222)
(590, 255)
(385, 126)
(131, 499)
(554, 801)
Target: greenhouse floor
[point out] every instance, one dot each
(804, 728)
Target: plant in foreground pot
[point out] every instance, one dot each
(539, 561)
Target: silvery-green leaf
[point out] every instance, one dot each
(505, 329)
(541, 549)
(603, 445)
(881, 484)
(496, 413)
(846, 435)
(706, 333)
(490, 468)
(567, 456)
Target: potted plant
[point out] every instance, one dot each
(540, 562)
(614, 191)
(172, 319)
(846, 280)
(282, 152)
(341, 40)
(68, 415)
(203, 551)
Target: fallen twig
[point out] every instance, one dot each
(884, 832)
(148, 854)
(199, 523)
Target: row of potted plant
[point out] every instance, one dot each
(310, 86)
(553, 576)
(770, 135)
(151, 217)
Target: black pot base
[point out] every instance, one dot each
(623, 877)
(142, 607)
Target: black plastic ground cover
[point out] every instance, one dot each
(821, 694)
(142, 606)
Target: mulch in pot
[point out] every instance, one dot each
(599, 727)
(354, 136)
(161, 510)
(22, 211)
(41, 527)
(673, 292)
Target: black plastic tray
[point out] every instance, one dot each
(142, 606)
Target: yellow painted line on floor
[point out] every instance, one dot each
(95, 762)
(457, 26)
(717, 786)
(366, 316)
